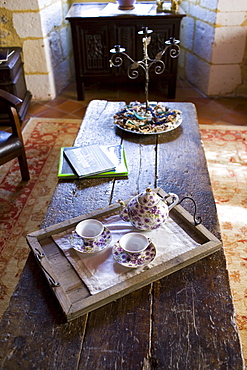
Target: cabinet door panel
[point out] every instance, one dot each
(125, 35)
(93, 49)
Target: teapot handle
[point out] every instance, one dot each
(175, 200)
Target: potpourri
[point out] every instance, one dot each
(156, 118)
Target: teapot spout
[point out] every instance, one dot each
(124, 211)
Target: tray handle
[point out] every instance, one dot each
(160, 191)
(39, 255)
(198, 219)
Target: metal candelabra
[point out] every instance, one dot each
(146, 63)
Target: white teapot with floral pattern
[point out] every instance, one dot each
(147, 210)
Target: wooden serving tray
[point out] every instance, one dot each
(71, 292)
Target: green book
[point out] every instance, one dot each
(115, 153)
(88, 160)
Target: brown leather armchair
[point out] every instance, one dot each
(11, 144)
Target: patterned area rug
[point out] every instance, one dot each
(226, 153)
(23, 204)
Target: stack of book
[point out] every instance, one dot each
(92, 161)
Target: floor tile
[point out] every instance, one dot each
(241, 108)
(52, 113)
(56, 102)
(203, 120)
(70, 106)
(80, 112)
(36, 107)
(235, 119)
(212, 111)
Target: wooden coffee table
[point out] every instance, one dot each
(185, 320)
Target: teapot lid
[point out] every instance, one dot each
(148, 198)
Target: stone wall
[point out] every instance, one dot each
(213, 43)
(214, 46)
(40, 29)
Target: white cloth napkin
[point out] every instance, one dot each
(100, 271)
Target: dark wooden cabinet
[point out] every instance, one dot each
(96, 28)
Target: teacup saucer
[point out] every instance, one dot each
(123, 258)
(95, 246)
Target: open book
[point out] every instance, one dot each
(88, 160)
(115, 153)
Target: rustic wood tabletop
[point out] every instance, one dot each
(182, 321)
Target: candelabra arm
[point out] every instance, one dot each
(117, 60)
(173, 45)
(118, 53)
(132, 60)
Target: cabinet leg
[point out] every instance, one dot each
(172, 89)
(80, 91)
